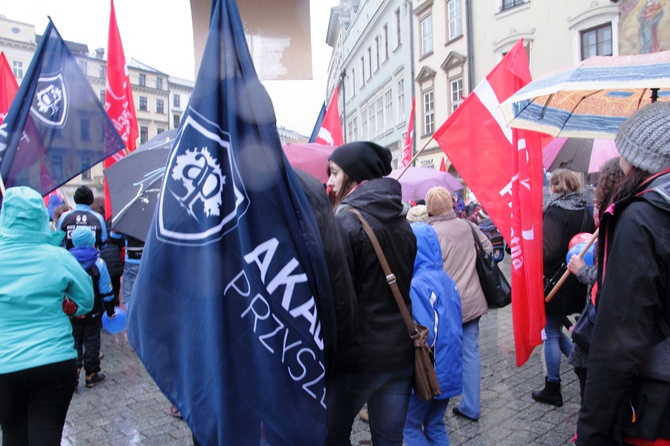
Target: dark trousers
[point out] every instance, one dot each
(86, 333)
(34, 404)
(116, 289)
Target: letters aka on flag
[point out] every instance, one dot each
(232, 311)
(503, 167)
(119, 102)
(8, 86)
(409, 138)
(331, 128)
(56, 127)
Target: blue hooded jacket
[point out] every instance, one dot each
(437, 305)
(36, 275)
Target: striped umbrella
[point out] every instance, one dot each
(579, 154)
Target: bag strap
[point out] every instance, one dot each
(390, 277)
(478, 244)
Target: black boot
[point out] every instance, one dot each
(551, 394)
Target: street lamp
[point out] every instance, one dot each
(343, 74)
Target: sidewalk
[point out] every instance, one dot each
(128, 409)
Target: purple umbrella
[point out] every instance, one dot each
(416, 181)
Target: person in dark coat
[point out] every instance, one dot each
(378, 365)
(626, 401)
(111, 253)
(565, 215)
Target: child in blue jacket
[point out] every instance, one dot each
(86, 329)
(436, 304)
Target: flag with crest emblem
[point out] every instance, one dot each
(232, 312)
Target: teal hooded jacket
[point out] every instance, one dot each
(36, 273)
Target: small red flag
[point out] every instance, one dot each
(503, 167)
(407, 148)
(119, 103)
(8, 86)
(443, 166)
(331, 128)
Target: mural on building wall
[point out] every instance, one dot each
(645, 26)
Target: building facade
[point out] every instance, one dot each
(371, 43)
(456, 43)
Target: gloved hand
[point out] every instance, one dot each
(69, 307)
(109, 308)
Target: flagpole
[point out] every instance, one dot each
(2, 186)
(566, 274)
(414, 157)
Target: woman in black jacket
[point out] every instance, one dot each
(378, 365)
(625, 400)
(565, 215)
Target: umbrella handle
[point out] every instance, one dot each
(566, 274)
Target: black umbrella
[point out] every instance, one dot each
(134, 185)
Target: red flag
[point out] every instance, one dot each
(331, 128)
(503, 167)
(8, 86)
(119, 103)
(407, 148)
(443, 166)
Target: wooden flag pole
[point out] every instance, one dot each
(566, 274)
(414, 157)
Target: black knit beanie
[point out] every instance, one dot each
(83, 195)
(363, 160)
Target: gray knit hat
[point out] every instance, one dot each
(644, 139)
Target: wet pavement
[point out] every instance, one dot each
(128, 409)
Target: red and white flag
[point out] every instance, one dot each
(8, 86)
(331, 127)
(503, 167)
(443, 166)
(409, 138)
(119, 103)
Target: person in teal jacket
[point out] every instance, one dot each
(436, 304)
(37, 356)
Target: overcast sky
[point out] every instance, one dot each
(159, 33)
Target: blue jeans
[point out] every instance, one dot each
(387, 394)
(128, 279)
(425, 423)
(472, 371)
(555, 343)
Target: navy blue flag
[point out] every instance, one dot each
(232, 311)
(56, 127)
(319, 121)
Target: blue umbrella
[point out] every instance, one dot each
(591, 99)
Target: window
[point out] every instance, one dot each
(144, 134)
(456, 92)
(507, 4)
(597, 41)
(362, 71)
(385, 42)
(388, 109)
(159, 83)
(86, 175)
(102, 94)
(160, 106)
(398, 28)
(143, 104)
(17, 69)
(176, 119)
(85, 129)
(377, 51)
(143, 80)
(354, 129)
(176, 100)
(103, 72)
(159, 131)
(428, 113)
(364, 123)
(372, 128)
(84, 66)
(454, 18)
(353, 83)
(380, 115)
(369, 62)
(401, 100)
(426, 35)
(57, 165)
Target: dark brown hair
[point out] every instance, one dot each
(608, 178)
